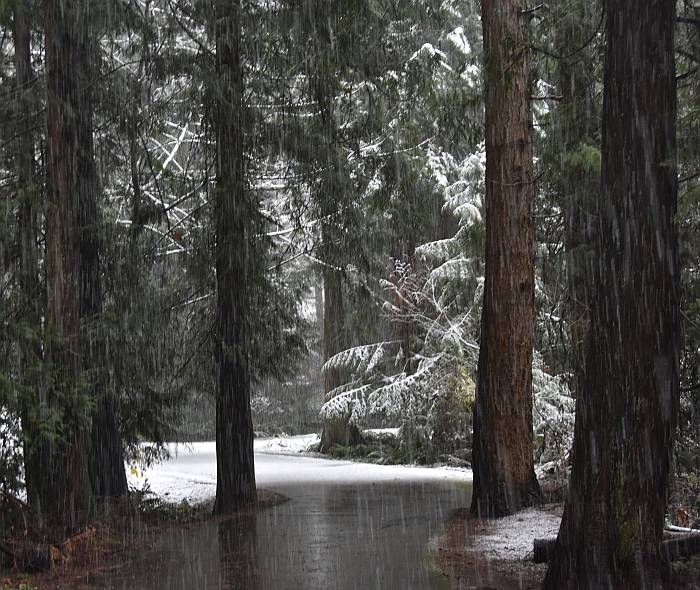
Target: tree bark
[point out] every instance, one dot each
(235, 473)
(336, 431)
(504, 477)
(611, 532)
(64, 493)
(678, 547)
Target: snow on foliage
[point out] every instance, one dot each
(421, 383)
(10, 452)
(439, 250)
(357, 359)
(418, 381)
(453, 269)
(403, 393)
(463, 197)
(345, 401)
(459, 40)
(552, 414)
(428, 51)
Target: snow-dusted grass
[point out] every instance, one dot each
(511, 538)
(190, 473)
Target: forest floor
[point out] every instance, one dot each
(474, 553)
(109, 541)
(490, 554)
(497, 554)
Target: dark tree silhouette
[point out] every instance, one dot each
(63, 490)
(612, 526)
(235, 469)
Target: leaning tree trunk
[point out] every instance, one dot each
(504, 476)
(611, 531)
(235, 468)
(63, 487)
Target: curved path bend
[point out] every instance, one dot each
(346, 526)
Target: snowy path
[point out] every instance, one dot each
(191, 472)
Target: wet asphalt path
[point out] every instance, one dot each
(346, 526)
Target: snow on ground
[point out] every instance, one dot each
(190, 473)
(511, 538)
(285, 445)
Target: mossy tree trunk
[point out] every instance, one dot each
(332, 197)
(612, 527)
(336, 431)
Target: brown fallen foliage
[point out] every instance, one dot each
(26, 555)
(43, 559)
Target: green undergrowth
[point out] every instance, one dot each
(388, 449)
(153, 510)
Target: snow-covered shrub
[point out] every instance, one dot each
(11, 461)
(421, 381)
(553, 411)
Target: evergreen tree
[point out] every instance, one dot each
(63, 490)
(29, 209)
(235, 474)
(611, 531)
(504, 476)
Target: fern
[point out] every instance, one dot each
(359, 359)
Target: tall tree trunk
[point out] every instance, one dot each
(612, 526)
(64, 491)
(30, 288)
(335, 430)
(504, 476)
(329, 195)
(235, 469)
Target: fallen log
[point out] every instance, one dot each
(671, 549)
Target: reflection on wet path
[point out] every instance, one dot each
(238, 553)
(366, 535)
